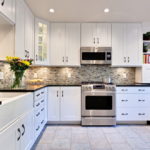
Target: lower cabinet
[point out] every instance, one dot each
(133, 104)
(64, 104)
(19, 135)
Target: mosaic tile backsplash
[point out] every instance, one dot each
(71, 75)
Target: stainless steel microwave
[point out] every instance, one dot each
(92, 55)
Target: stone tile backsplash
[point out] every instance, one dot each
(72, 75)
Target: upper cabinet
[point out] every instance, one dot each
(65, 44)
(126, 44)
(41, 42)
(95, 35)
(7, 9)
(24, 31)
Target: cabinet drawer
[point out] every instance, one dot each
(39, 94)
(133, 100)
(136, 90)
(133, 114)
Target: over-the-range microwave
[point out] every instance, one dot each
(96, 55)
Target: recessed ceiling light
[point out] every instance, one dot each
(106, 10)
(51, 10)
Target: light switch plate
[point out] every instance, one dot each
(1, 75)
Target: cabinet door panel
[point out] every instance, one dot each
(73, 44)
(70, 104)
(133, 44)
(53, 103)
(41, 42)
(88, 34)
(8, 138)
(57, 44)
(29, 33)
(20, 26)
(118, 44)
(103, 37)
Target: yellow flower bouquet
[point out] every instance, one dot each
(18, 66)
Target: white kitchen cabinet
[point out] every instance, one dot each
(25, 124)
(142, 74)
(64, 104)
(133, 104)
(8, 138)
(54, 103)
(29, 33)
(24, 31)
(41, 42)
(65, 44)
(126, 44)
(20, 29)
(95, 35)
(57, 44)
(7, 9)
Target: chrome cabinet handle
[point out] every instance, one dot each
(42, 92)
(24, 130)
(42, 101)
(42, 121)
(38, 95)
(63, 59)
(3, 2)
(38, 105)
(128, 59)
(141, 90)
(62, 94)
(66, 59)
(37, 128)
(124, 90)
(57, 93)
(124, 59)
(141, 100)
(42, 109)
(38, 114)
(19, 131)
(141, 114)
(124, 114)
(36, 57)
(94, 40)
(124, 100)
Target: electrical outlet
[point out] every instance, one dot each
(1, 75)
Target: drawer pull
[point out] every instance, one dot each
(42, 109)
(141, 100)
(124, 100)
(124, 114)
(124, 90)
(38, 114)
(141, 90)
(38, 104)
(37, 128)
(24, 129)
(42, 101)
(42, 92)
(38, 95)
(19, 131)
(141, 114)
(42, 121)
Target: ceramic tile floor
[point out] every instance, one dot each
(95, 138)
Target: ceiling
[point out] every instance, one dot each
(92, 10)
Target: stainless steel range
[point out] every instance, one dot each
(98, 104)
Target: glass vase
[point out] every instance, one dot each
(17, 81)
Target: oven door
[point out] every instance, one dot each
(97, 103)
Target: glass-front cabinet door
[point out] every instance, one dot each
(41, 42)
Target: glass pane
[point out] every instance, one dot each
(98, 102)
(93, 56)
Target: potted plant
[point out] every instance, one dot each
(18, 66)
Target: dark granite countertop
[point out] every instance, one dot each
(33, 88)
(134, 85)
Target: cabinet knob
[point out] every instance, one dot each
(124, 114)
(63, 59)
(97, 40)
(128, 59)
(141, 114)
(124, 59)
(3, 2)
(57, 93)
(94, 40)
(66, 59)
(62, 93)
